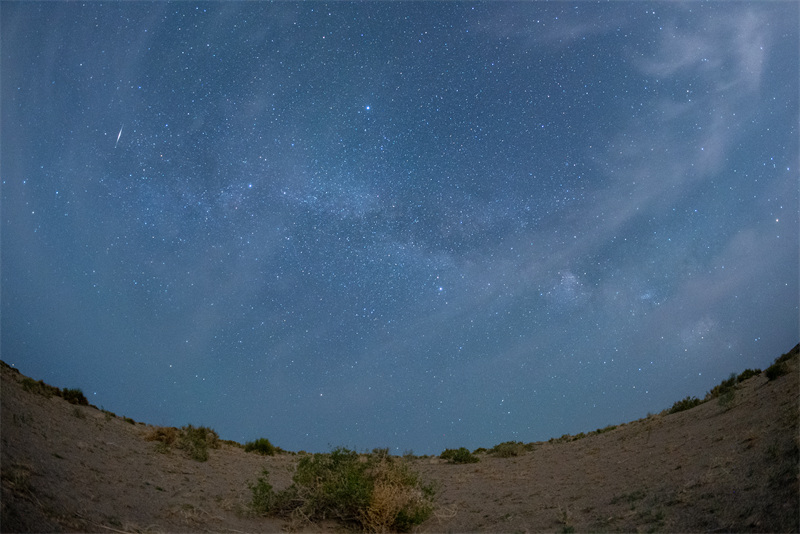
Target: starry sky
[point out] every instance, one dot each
(413, 225)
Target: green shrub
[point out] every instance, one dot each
(377, 492)
(263, 494)
(789, 355)
(459, 456)
(727, 399)
(722, 388)
(166, 436)
(508, 449)
(776, 370)
(603, 430)
(685, 404)
(747, 373)
(196, 441)
(261, 446)
(74, 396)
(45, 390)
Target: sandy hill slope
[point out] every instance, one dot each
(718, 467)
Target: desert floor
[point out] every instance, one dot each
(712, 468)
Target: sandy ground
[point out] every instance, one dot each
(708, 469)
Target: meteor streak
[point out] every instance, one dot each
(119, 135)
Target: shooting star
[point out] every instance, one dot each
(119, 135)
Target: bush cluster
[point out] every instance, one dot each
(776, 370)
(261, 446)
(685, 404)
(722, 388)
(376, 492)
(73, 396)
(194, 441)
(509, 449)
(747, 373)
(459, 456)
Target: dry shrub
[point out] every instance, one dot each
(376, 492)
(165, 434)
(394, 506)
(196, 441)
(385, 503)
(398, 501)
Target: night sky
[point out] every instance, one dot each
(411, 225)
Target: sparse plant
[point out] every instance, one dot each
(722, 388)
(165, 436)
(40, 388)
(609, 428)
(77, 412)
(727, 399)
(565, 518)
(747, 373)
(779, 367)
(195, 441)
(74, 396)
(685, 404)
(261, 446)
(776, 370)
(263, 494)
(459, 456)
(377, 493)
(508, 449)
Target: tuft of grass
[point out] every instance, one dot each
(261, 446)
(631, 497)
(377, 493)
(459, 456)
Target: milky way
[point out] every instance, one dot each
(411, 225)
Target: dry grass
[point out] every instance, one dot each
(165, 434)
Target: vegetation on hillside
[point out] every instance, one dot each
(194, 441)
(376, 492)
